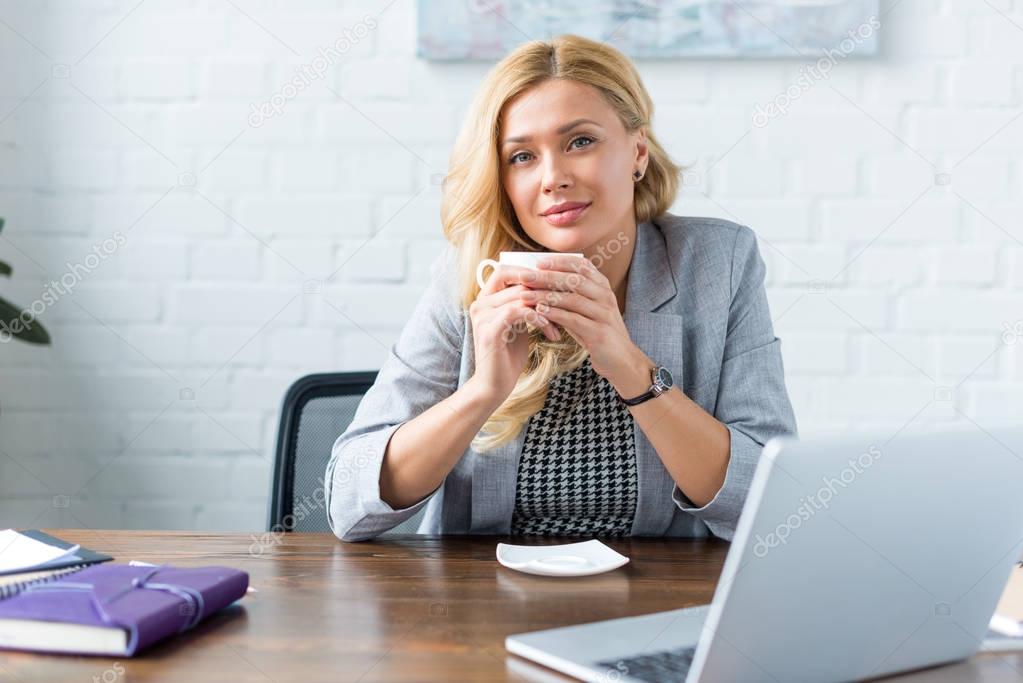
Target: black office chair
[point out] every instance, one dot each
(316, 410)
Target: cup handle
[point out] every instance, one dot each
(479, 270)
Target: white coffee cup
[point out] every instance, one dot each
(525, 259)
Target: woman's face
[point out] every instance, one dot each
(562, 142)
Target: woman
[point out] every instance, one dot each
(627, 392)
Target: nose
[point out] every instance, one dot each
(555, 178)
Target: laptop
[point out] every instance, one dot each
(856, 556)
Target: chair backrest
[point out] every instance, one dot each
(316, 411)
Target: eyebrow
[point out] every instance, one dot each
(564, 129)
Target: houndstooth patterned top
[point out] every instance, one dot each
(577, 470)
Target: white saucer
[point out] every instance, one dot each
(567, 559)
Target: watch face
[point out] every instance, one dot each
(664, 377)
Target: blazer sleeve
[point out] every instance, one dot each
(752, 401)
(421, 369)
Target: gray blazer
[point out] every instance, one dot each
(695, 302)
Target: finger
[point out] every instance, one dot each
(512, 295)
(570, 301)
(570, 320)
(503, 276)
(580, 266)
(560, 261)
(501, 297)
(520, 319)
(550, 330)
(561, 281)
(515, 312)
(595, 309)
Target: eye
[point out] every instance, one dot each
(581, 137)
(516, 156)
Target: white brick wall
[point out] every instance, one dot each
(897, 291)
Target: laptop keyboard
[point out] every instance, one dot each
(655, 667)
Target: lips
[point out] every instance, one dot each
(566, 213)
(564, 206)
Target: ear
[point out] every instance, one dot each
(642, 153)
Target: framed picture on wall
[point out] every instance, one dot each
(488, 29)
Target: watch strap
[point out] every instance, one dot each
(642, 398)
(654, 390)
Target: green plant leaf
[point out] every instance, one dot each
(1, 224)
(5, 269)
(33, 333)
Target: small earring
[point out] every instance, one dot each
(638, 174)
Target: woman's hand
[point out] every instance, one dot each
(499, 328)
(572, 293)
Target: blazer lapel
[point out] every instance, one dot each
(659, 335)
(494, 476)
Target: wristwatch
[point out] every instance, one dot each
(662, 381)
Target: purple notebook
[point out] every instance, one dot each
(116, 608)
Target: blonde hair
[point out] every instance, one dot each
(478, 217)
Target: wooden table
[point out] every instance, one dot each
(402, 608)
